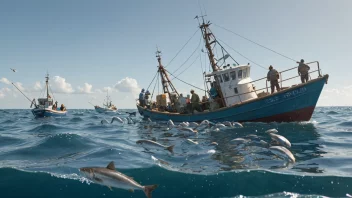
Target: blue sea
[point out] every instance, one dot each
(42, 157)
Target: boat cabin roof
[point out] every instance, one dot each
(45, 99)
(227, 69)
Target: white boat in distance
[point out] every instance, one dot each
(108, 107)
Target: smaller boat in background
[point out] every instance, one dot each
(46, 106)
(108, 107)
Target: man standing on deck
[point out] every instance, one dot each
(142, 98)
(303, 71)
(273, 77)
(195, 102)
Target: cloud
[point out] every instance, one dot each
(336, 96)
(37, 86)
(5, 81)
(86, 89)
(3, 92)
(109, 89)
(19, 86)
(60, 85)
(128, 85)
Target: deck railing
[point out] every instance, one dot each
(255, 90)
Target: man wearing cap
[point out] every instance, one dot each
(303, 71)
(195, 101)
(142, 98)
(273, 77)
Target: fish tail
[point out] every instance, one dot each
(149, 189)
(170, 148)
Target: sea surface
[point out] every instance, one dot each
(42, 157)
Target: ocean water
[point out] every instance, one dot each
(42, 157)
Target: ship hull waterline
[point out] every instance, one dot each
(40, 113)
(295, 104)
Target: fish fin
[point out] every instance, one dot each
(110, 188)
(111, 166)
(170, 148)
(131, 190)
(149, 189)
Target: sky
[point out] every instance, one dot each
(91, 47)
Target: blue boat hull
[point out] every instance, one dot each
(39, 113)
(294, 104)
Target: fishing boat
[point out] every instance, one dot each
(239, 98)
(108, 107)
(46, 106)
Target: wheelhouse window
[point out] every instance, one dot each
(239, 74)
(236, 91)
(244, 73)
(233, 75)
(219, 78)
(226, 77)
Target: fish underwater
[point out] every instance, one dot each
(108, 176)
(149, 144)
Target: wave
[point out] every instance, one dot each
(76, 119)
(8, 122)
(46, 128)
(229, 184)
(347, 124)
(332, 113)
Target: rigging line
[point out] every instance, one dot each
(156, 82)
(243, 55)
(256, 43)
(21, 92)
(189, 56)
(184, 81)
(182, 48)
(188, 66)
(51, 92)
(152, 80)
(203, 73)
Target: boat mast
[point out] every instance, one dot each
(208, 42)
(165, 80)
(206, 36)
(47, 86)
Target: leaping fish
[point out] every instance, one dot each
(281, 140)
(118, 119)
(237, 124)
(271, 131)
(110, 177)
(154, 145)
(282, 152)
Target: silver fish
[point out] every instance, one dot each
(193, 124)
(282, 152)
(239, 141)
(110, 177)
(118, 119)
(227, 123)
(220, 125)
(188, 131)
(205, 122)
(154, 145)
(271, 131)
(281, 140)
(237, 124)
(104, 121)
(191, 141)
(170, 124)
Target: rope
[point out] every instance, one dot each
(156, 82)
(184, 81)
(189, 56)
(256, 43)
(182, 48)
(243, 55)
(152, 80)
(188, 67)
(21, 92)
